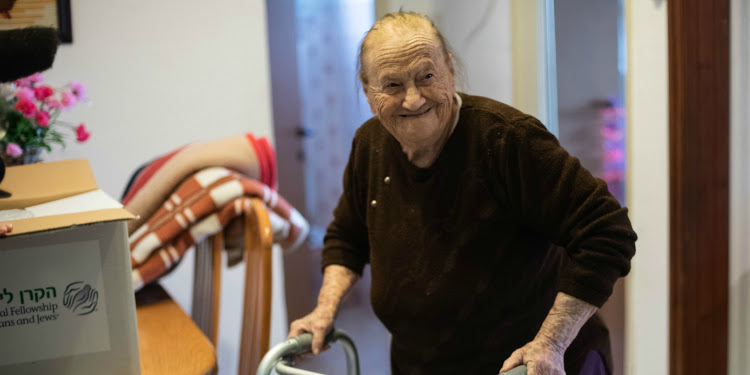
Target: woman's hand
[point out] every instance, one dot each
(337, 282)
(319, 322)
(541, 357)
(5, 228)
(544, 355)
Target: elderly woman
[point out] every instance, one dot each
(489, 245)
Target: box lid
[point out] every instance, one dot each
(40, 224)
(42, 183)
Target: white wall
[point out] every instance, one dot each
(161, 74)
(647, 287)
(480, 34)
(739, 255)
(533, 59)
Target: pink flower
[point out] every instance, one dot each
(81, 133)
(24, 93)
(13, 150)
(67, 100)
(30, 80)
(26, 107)
(43, 92)
(79, 91)
(36, 77)
(42, 118)
(52, 103)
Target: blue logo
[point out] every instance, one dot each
(80, 298)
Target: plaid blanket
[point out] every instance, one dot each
(200, 207)
(153, 183)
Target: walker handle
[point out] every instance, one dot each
(280, 356)
(520, 370)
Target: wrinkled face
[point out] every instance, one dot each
(410, 87)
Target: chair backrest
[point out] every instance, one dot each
(207, 286)
(256, 317)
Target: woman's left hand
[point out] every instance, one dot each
(541, 357)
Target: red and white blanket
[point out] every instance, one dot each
(178, 207)
(200, 207)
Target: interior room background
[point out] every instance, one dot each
(162, 74)
(166, 73)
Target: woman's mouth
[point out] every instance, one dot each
(418, 114)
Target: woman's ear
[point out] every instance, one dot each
(450, 64)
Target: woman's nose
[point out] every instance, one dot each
(413, 100)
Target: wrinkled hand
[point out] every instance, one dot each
(541, 357)
(319, 322)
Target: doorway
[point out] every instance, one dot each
(317, 107)
(591, 61)
(315, 126)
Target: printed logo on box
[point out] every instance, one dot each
(53, 292)
(80, 298)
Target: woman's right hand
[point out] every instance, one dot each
(337, 281)
(319, 322)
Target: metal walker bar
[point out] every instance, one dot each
(520, 370)
(281, 356)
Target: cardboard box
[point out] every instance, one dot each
(66, 297)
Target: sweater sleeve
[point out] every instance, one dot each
(554, 195)
(346, 241)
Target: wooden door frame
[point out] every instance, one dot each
(699, 64)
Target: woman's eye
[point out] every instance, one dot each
(428, 76)
(392, 85)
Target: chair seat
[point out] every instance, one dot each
(169, 342)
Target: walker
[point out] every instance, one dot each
(281, 356)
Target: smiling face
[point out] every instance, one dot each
(410, 86)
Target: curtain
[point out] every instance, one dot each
(333, 105)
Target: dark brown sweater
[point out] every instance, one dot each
(468, 254)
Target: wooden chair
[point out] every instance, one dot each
(256, 317)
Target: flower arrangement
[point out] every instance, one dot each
(29, 122)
